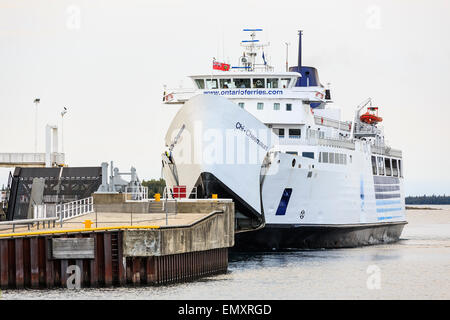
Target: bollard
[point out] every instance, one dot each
(87, 224)
(157, 197)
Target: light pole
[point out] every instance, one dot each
(36, 102)
(287, 52)
(62, 128)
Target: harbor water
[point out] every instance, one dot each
(416, 267)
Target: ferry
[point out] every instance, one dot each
(275, 143)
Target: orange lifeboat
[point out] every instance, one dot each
(370, 116)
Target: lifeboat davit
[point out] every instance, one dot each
(371, 118)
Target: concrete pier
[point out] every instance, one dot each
(118, 249)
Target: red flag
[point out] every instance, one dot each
(220, 66)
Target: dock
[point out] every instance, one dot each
(118, 242)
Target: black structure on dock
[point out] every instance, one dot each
(62, 184)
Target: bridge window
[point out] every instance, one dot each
(308, 155)
(331, 157)
(394, 168)
(276, 106)
(260, 106)
(325, 157)
(400, 170)
(241, 105)
(200, 83)
(272, 83)
(294, 133)
(295, 153)
(387, 164)
(380, 166)
(242, 83)
(374, 165)
(258, 83)
(211, 83)
(288, 106)
(225, 83)
(285, 82)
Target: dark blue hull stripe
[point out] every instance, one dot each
(387, 195)
(388, 218)
(382, 188)
(387, 202)
(388, 210)
(385, 180)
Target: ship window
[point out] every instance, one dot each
(260, 106)
(258, 83)
(374, 165)
(380, 166)
(200, 83)
(272, 83)
(281, 211)
(276, 106)
(288, 106)
(331, 157)
(285, 82)
(211, 83)
(225, 83)
(325, 157)
(279, 132)
(400, 170)
(294, 133)
(295, 153)
(345, 159)
(242, 83)
(387, 163)
(308, 155)
(241, 104)
(320, 156)
(394, 168)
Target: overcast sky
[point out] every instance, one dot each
(107, 62)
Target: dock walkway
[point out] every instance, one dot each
(120, 248)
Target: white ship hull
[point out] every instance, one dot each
(282, 200)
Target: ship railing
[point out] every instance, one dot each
(176, 96)
(316, 137)
(289, 141)
(387, 151)
(341, 125)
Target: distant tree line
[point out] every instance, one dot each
(434, 199)
(154, 186)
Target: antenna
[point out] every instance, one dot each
(287, 55)
(36, 102)
(250, 53)
(299, 50)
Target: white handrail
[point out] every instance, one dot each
(137, 192)
(74, 209)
